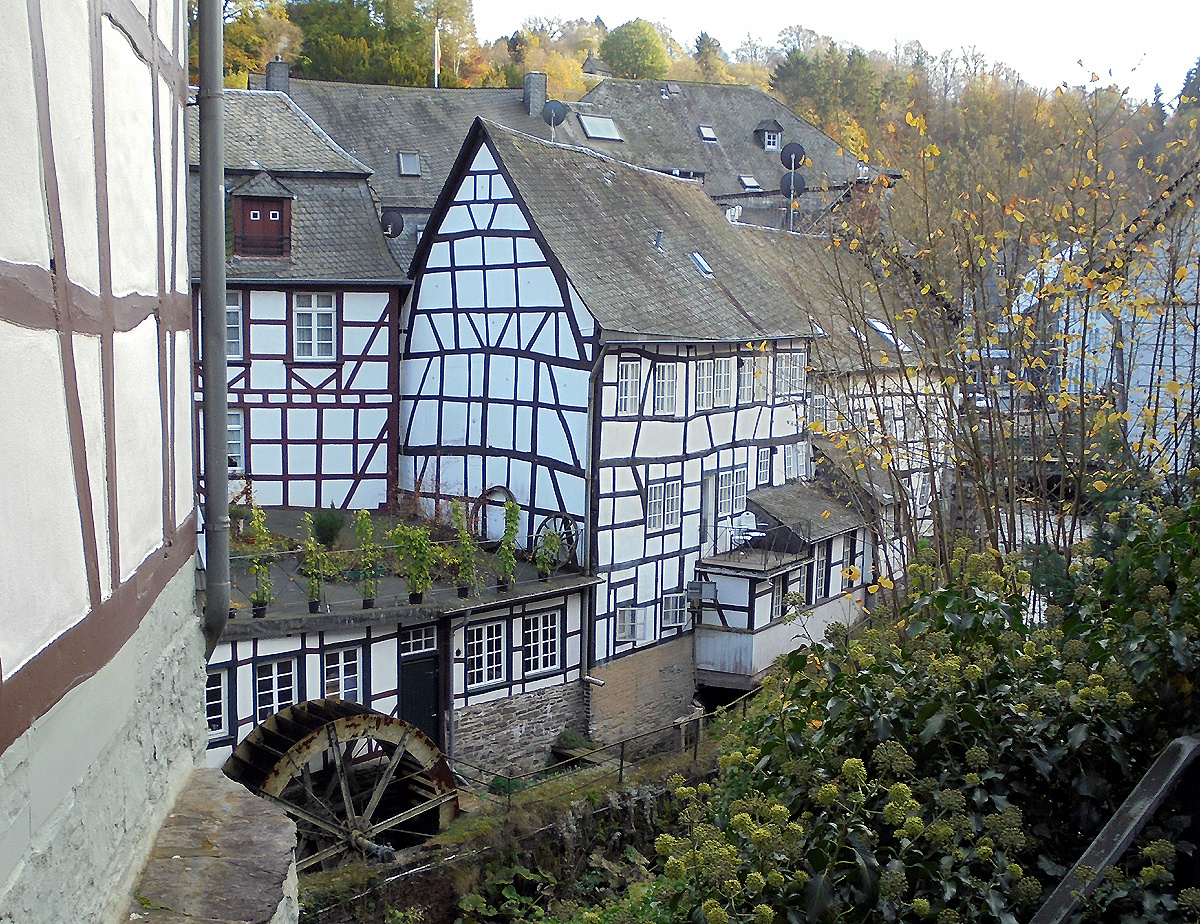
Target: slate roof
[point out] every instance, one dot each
(806, 509)
(376, 123)
(660, 132)
(600, 218)
(335, 236)
(266, 130)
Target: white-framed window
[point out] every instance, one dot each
(724, 493)
(314, 330)
(541, 642)
(485, 653)
(739, 488)
(216, 704)
(674, 610)
(771, 140)
(851, 572)
(764, 467)
(750, 182)
(235, 423)
(233, 324)
(818, 411)
(791, 468)
(408, 163)
(804, 581)
(629, 386)
(791, 376)
(752, 381)
(673, 504)
(779, 588)
(418, 640)
(722, 381)
(274, 687)
(821, 571)
(343, 674)
(664, 387)
(704, 384)
(273, 214)
(664, 502)
(707, 133)
(255, 215)
(631, 624)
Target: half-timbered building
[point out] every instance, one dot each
(600, 341)
(312, 304)
(446, 666)
(100, 647)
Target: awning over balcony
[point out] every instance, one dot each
(805, 509)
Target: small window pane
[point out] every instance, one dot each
(674, 610)
(707, 133)
(600, 127)
(409, 163)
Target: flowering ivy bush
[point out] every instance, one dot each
(954, 767)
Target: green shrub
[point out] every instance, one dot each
(954, 768)
(327, 526)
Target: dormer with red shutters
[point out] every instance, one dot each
(262, 218)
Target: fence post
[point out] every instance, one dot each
(621, 772)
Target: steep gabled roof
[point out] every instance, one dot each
(660, 131)
(266, 131)
(600, 219)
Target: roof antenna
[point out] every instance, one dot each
(553, 114)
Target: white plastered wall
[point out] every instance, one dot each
(26, 230)
(41, 543)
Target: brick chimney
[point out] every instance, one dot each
(278, 73)
(535, 93)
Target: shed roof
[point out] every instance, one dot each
(806, 509)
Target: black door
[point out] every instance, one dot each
(419, 695)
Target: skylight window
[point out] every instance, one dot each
(750, 183)
(817, 328)
(701, 264)
(600, 127)
(409, 163)
(707, 133)
(886, 333)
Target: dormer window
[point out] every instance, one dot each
(707, 133)
(409, 163)
(772, 140)
(262, 227)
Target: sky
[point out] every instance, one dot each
(1043, 42)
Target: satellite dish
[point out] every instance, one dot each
(792, 155)
(793, 185)
(554, 112)
(392, 222)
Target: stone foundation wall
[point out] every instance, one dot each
(514, 735)
(647, 689)
(84, 790)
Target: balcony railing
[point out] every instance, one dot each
(262, 245)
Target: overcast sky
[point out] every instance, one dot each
(1142, 46)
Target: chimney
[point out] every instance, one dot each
(277, 75)
(535, 93)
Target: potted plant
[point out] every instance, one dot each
(317, 564)
(506, 554)
(545, 553)
(370, 556)
(260, 566)
(418, 555)
(464, 559)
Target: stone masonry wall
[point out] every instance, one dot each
(514, 735)
(648, 689)
(83, 792)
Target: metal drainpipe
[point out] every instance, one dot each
(212, 321)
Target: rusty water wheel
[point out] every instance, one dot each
(355, 781)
